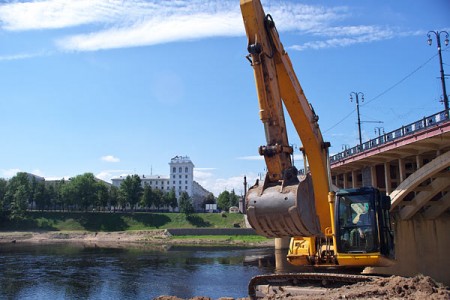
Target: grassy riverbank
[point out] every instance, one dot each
(109, 222)
(118, 228)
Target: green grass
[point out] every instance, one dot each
(99, 221)
(243, 238)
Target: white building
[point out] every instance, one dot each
(182, 175)
(181, 179)
(154, 181)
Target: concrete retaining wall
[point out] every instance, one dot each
(211, 231)
(422, 246)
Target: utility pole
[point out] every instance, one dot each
(244, 208)
(357, 112)
(438, 39)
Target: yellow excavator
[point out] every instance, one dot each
(329, 228)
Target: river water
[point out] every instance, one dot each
(70, 271)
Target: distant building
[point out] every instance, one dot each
(153, 181)
(182, 175)
(36, 177)
(181, 179)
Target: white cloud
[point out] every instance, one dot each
(101, 24)
(110, 158)
(51, 178)
(251, 157)
(346, 36)
(53, 14)
(106, 175)
(23, 56)
(207, 178)
(203, 173)
(157, 30)
(9, 173)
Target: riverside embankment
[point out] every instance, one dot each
(193, 236)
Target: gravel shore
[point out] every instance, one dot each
(156, 237)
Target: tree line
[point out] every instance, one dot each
(85, 192)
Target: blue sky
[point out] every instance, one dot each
(120, 87)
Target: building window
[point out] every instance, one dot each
(186, 169)
(174, 182)
(174, 170)
(186, 176)
(185, 188)
(173, 176)
(179, 176)
(180, 169)
(180, 181)
(185, 182)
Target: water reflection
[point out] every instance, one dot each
(67, 271)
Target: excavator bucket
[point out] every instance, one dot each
(284, 210)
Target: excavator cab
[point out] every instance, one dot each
(363, 226)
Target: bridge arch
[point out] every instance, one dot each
(428, 184)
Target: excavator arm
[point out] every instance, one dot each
(283, 206)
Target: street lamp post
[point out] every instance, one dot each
(294, 146)
(357, 112)
(379, 130)
(438, 39)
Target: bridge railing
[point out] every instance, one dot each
(391, 136)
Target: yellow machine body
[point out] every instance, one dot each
(285, 204)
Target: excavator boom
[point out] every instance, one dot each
(281, 206)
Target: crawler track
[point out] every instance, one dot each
(302, 279)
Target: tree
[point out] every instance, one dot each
(234, 199)
(52, 197)
(131, 190)
(102, 195)
(3, 186)
(40, 195)
(170, 200)
(158, 198)
(34, 192)
(226, 200)
(82, 190)
(186, 204)
(19, 203)
(223, 201)
(17, 195)
(147, 197)
(113, 197)
(59, 199)
(209, 199)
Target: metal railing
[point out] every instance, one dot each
(391, 136)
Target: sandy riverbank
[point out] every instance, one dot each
(156, 237)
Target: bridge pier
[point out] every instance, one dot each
(421, 247)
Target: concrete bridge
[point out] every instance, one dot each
(412, 165)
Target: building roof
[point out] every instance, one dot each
(181, 159)
(144, 177)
